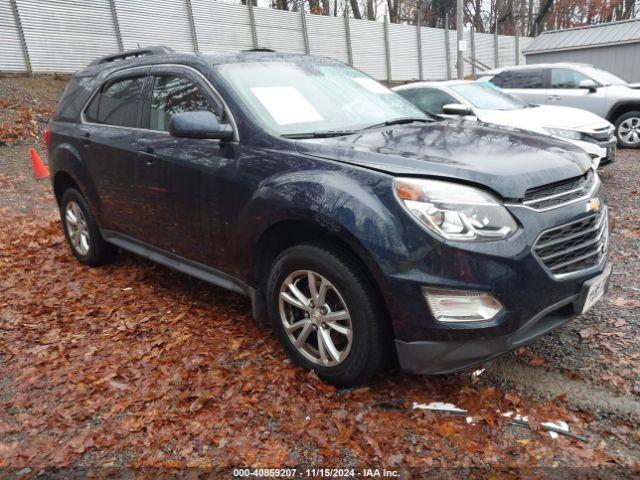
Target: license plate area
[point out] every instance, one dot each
(593, 290)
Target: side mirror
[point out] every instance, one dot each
(588, 85)
(456, 109)
(200, 124)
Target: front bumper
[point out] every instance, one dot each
(602, 152)
(535, 300)
(440, 357)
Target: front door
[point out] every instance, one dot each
(564, 90)
(188, 180)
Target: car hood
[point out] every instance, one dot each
(535, 118)
(507, 161)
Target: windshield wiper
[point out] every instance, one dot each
(320, 134)
(398, 121)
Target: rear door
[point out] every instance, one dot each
(564, 90)
(528, 84)
(186, 181)
(109, 134)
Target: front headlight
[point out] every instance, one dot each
(454, 211)
(564, 133)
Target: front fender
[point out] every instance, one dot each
(357, 207)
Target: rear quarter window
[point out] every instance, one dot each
(73, 99)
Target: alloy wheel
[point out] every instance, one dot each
(629, 130)
(315, 318)
(77, 228)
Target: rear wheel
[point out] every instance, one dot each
(82, 232)
(325, 312)
(628, 130)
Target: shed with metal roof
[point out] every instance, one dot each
(614, 47)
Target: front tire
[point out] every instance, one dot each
(326, 313)
(628, 130)
(81, 231)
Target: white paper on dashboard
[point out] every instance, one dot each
(287, 105)
(372, 85)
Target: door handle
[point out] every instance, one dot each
(147, 156)
(554, 98)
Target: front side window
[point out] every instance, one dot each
(117, 103)
(485, 97)
(295, 98)
(174, 94)
(566, 78)
(528, 78)
(430, 100)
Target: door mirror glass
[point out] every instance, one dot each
(200, 124)
(589, 85)
(456, 109)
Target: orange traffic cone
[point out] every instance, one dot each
(39, 168)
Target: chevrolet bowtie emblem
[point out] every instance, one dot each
(593, 205)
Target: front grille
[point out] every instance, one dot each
(575, 246)
(559, 193)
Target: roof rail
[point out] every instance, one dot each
(138, 52)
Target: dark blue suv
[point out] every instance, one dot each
(363, 230)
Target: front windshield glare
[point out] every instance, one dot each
(306, 96)
(487, 98)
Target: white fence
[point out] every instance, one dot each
(61, 36)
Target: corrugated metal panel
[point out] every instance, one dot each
(11, 57)
(621, 60)
(525, 42)
(433, 54)
(403, 41)
(221, 27)
(328, 37)
(154, 22)
(507, 50)
(484, 49)
(64, 36)
(607, 33)
(279, 30)
(367, 42)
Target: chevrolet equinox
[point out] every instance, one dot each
(364, 231)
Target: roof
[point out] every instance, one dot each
(532, 66)
(604, 34)
(150, 56)
(441, 83)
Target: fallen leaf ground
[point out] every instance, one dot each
(135, 366)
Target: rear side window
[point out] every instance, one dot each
(530, 78)
(428, 100)
(174, 94)
(566, 78)
(117, 103)
(73, 99)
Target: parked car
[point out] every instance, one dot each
(576, 85)
(478, 101)
(359, 227)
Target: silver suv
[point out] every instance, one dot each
(576, 85)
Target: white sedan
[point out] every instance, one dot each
(484, 103)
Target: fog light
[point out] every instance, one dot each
(461, 305)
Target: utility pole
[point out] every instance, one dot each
(460, 43)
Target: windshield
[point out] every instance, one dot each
(487, 97)
(311, 96)
(604, 76)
